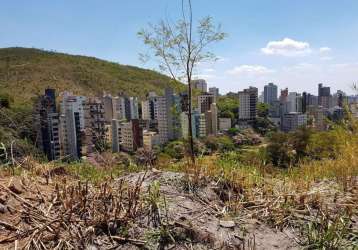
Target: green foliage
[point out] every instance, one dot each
(263, 125)
(83, 75)
(16, 132)
(262, 110)
(219, 143)
(279, 151)
(329, 232)
(233, 131)
(300, 140)
(87, 172)
(228, 106)
(175, 149)
(285, 149)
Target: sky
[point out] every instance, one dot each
(295, 44)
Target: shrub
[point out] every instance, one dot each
(233, 131)
(175, 149)
(219, 143)
(279, 151)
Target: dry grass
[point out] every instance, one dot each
(322, 194)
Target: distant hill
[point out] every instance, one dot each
(26, 72)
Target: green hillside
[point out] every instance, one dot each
(26, 72)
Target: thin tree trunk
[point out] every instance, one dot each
(191, 139)
(188, 72)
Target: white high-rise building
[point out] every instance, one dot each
(248, 104)
(74, 103)
(72, 124)
(119, 108)
(294, 102)
(133, 106)
(150, 107)
(146, 110)
(168, 116)
(201, 125)
(184, 121)
(214, 118)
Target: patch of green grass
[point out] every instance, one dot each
(87, 172)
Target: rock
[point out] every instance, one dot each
(15, 187)
(3, 209)
(3, 199)
(227, 223)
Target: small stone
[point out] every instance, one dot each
(3, 199)
(227, 223)
(3, 209)
(16, 187)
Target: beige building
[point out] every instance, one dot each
(202, 126)
(224, 124)
(150, 139)
(204, 102)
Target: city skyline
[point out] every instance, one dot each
(294, 45)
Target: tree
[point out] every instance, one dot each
(279, 151)
(228, 107)
(262, 110)
(180, 49)
(300, 141)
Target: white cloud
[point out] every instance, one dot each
(250, 70)
(204, 76)
(287, 47)
(209, 70)
(324, 49)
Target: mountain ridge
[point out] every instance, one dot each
(26, 72)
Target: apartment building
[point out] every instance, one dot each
(72, 123)
(108, 108)
(292, 121)
(150, 139)
(200, 84)
(168, 116)
(270, 93)
(248, 104)
(224, 124)
(94, 132)
(204, 102)
(215, 92)
(46, 125)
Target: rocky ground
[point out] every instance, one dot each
(147, 210)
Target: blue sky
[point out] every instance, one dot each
(295, 44)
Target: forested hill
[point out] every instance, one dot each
(26, 72)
